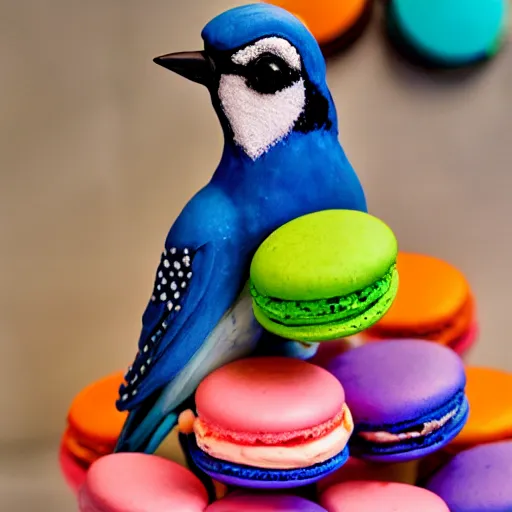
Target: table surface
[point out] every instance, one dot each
(434, 153)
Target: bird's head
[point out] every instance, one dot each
(266, 76)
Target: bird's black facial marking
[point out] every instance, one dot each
(268, 74)
(316, 111)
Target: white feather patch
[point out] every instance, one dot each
(259, 121)
(275, 45)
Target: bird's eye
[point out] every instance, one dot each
(269, 74)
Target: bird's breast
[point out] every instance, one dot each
(235, 336)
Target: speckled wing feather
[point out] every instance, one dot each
(181, 280)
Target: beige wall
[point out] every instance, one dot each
(100, 149)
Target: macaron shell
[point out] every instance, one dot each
(465, 343)
(327, 19)
(239, 501)
(458, 326)
(446, 333)
(368, 496)
(428, 444)
(262, 485)
(73, 472)
(335, 330)
(432, 292)
(93, 412)
(260, 478)
(477, 480)
(137, 482)
(490, 408)
(359, 469)
(397, 381)
(85, 455)
(270, 394)
(323, 255)
(452, 31)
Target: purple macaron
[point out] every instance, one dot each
(477, 480)
(406, 397)
(246, 502)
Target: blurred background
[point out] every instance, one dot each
(100, 149)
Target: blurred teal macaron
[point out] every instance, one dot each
(449, 33)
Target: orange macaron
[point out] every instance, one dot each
(490, 416)
(331, 20)
(94, 423)
(434, 302)
(490, 408)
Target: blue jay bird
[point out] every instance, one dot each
(281, 160)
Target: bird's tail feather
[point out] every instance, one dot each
(161, 432)
(147, 426)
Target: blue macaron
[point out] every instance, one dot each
(448, 33)
(260, 478)
(407, 398)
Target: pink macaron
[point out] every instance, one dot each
(72, 470)
(135, 482)
(360, 469)
(369, 496)
(270, 422)
(246, 502)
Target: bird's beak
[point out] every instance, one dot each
(195, 66)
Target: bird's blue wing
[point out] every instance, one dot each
(181, 280)
(177, 322)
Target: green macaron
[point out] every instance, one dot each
(324, 276)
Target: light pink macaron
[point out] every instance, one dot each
(359, 469)
(248, 502)
(135, 482)
(368, 496)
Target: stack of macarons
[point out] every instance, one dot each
(350, 427)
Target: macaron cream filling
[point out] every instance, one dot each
(284, 450)
(455, 410)
(327, 310)
(427, 428)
